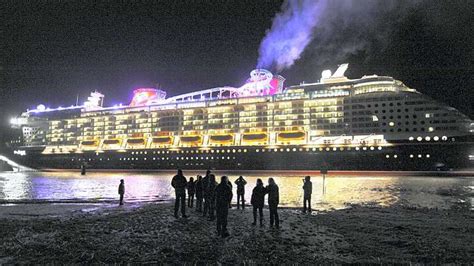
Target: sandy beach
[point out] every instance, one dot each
(45, 233)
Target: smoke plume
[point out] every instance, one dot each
(332, 29)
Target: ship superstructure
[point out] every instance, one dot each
(262, 125)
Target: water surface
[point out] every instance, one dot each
(340, 190)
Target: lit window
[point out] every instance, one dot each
(294, 149)
(395, 156)
(419, 138)
(372, 148)
(427, 138)
(427, 156)
(357, 148)
(327, 149)
(364, 148)
(444, 138)
(435, 138)
(287, 149)
(334, 149)
(419, 155)
(411, 138)
(379, 148)
(411, 155)
(391, 124)
(430, 129)
(257, 150)
(387, 156)
(245, 150)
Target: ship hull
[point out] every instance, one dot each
(395, 157)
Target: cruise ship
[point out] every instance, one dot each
(370, 123)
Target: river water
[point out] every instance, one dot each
(340, 190)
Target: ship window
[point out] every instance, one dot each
(435, 138)
(387, 156)
(411, 155)
(427, 156)
(395, 156)
(419, 155)
(419, 138)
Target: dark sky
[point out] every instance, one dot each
(51, 51)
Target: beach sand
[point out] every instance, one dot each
(150, 233)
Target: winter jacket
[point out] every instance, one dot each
(273, 195)
(179, 184)
(308, 188)
(258, 196)
(223, 194)
(240, 182)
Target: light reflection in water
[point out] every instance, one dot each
(152, 186)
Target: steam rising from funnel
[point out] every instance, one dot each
(291, 32)
(333, 30)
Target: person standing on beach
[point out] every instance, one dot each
(191, 186)
(240, 182)
(230, 185)
(211, 194)
(83, 169)
(257, 201)
(223, 197)
(179, 184)
(121, 191)
(198, 187)
(307, 191)
(205, 193)
(273, 201)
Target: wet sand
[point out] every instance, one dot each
(151, 234)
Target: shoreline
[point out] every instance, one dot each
(149, 233)
(456, 173)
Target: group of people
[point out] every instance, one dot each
(213, 199)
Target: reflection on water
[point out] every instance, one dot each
(384, 190)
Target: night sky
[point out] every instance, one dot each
(52, 51)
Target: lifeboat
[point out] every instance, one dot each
(135, 143)
(89, 144)
(221, 139)
(164, 140)
(190, 140)
(111, 144)
(254, 138)
(291, 136)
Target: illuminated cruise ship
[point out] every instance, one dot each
(370, 123)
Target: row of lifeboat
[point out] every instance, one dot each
(256, 138)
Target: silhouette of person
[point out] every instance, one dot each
(83, 169)
(179, 184)
(240, 182)
(273, 201)
(308, 190)
(191, 190)
(121, 191)
(230, 185)
(199, 199)
(257, 201)
(205, 190)
(223, 198)
(211, 194)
